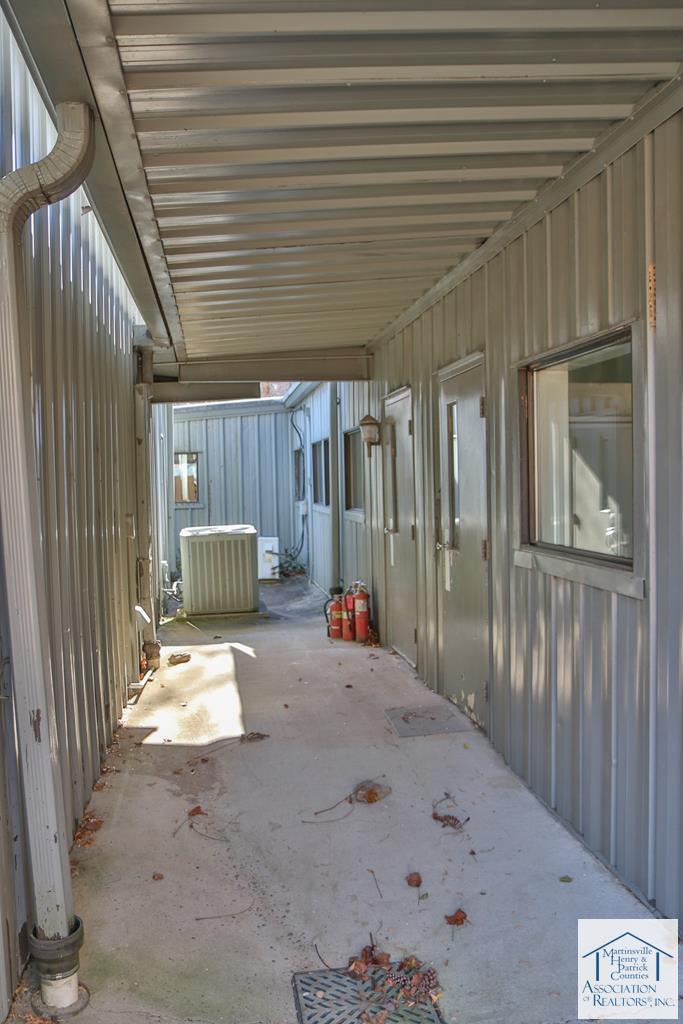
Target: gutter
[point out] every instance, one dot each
(57, 934)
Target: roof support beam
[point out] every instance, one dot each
(270, 23)
(322, 364)
(172, 391)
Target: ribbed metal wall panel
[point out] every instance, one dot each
(163, 499)
(354, 536)
(80, 359)
(245, 470)
(321, 553)
(570, 685)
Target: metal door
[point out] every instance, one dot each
(399, 524)
(463, 543)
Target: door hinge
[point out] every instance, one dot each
(412, 531)
(486, 692)
(652, 295)
(482, 406)
(415, 634)
(485, 550)
(410, 428)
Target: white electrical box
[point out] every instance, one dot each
(268, 558)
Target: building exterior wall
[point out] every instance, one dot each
(79, 371)
(576, 692)
(245, 468)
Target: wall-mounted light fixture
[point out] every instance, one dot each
(369, 432)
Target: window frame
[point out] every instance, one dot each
(625, 576)
(299, 474)
(348, 435)
(190, 502)
(322, 445)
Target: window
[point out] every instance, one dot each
(454, 475)
(321, 472)
(299, 475)
(580, 448)
(353, 470)
(185, 479)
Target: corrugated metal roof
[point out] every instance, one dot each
(301, 172)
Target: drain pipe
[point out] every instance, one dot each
(57, 934)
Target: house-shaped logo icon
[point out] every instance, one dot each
(628, 956)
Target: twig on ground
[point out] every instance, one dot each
(343, 800)
(321, 958)
(217, 917)
(177, 830)
(374, 876)
(220, 839)
(326, 821)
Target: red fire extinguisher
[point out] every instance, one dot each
(333, 614)
(348, 626)
(361, 612)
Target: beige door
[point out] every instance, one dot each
(463, 542)
(399, 524)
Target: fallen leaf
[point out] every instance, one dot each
(358, 967)
(157, 876)
(409, 963)
(99, 786)
(179, 658)
(381, 960)
(566, 878)
(458, 918)
(423, 896)
(369, 792)
(449, 820)
(349, 686)
(194, 811)
(414, 879)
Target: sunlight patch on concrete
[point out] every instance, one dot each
(194, 703)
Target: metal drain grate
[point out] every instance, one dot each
(427, 720)
(336, 997)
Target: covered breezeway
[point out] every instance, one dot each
(261, 884)
(456, 225)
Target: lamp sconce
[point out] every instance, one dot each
(369, 432)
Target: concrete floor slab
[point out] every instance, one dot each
(259, 884)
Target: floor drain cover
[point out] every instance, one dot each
(337, 997)
(427, 719)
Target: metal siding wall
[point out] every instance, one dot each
(80, 359)
(355, 563)
(162, 495)
(668, 189)
(245, 472)
(321, 554)
(569, 687)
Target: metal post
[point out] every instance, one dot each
(57, 933)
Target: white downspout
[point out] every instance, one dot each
(57, 933)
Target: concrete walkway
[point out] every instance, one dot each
(261, 879)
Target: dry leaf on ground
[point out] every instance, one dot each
(458, 918)
(179, 658)
(194, 811)
(157, 876)
(414, 879)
